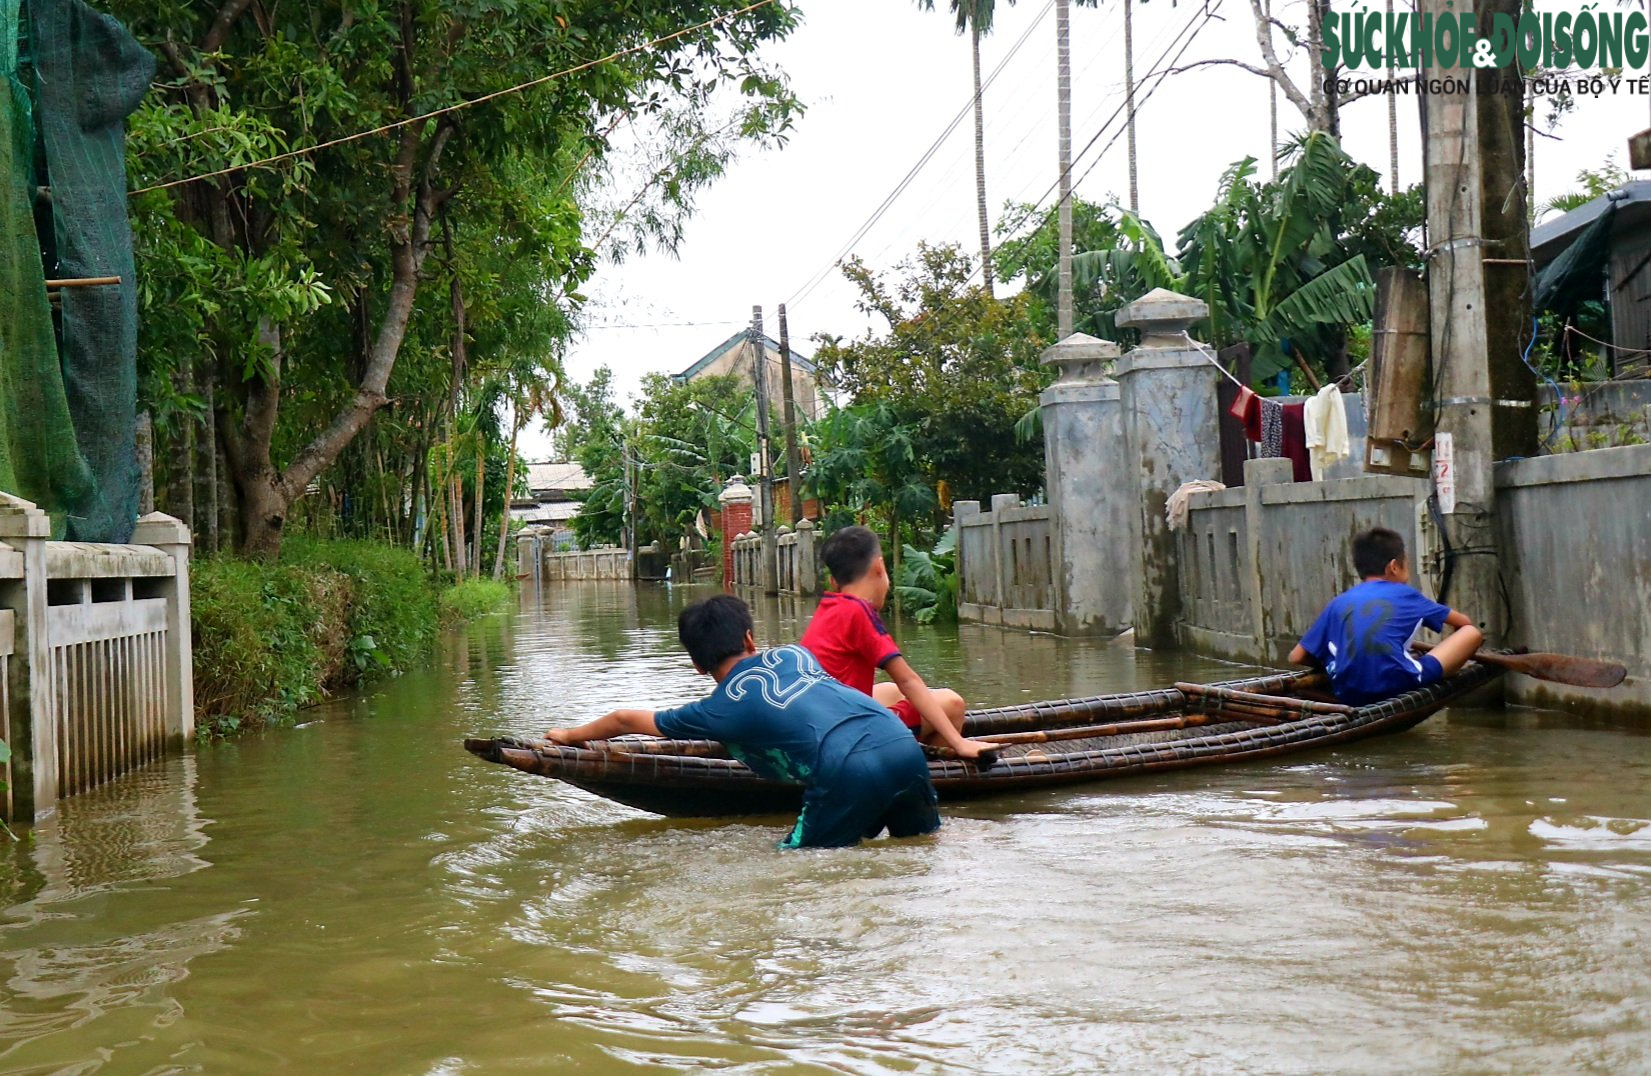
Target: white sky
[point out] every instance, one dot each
(882, 79)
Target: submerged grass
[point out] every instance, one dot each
(271, 639)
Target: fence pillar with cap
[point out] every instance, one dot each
(808, 565)
(1094, 508)
(32, 735)
(735, 500)
(1171, 421)
(171, 536)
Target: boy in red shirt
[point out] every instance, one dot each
(850, 641)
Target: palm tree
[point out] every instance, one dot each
(974, 17)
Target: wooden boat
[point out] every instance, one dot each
(1047, 744)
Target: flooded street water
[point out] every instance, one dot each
(359, 895)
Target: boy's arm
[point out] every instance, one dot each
(918, 694)
(617, 723)
(1298, 656)
(1458, 619)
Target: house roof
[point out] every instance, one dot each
(555, 512)
(1633, 201)
(549, 476)
(798, 359)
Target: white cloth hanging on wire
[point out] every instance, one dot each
(1325, 420)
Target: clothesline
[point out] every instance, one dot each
(1215, 361)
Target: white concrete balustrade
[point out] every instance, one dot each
(95, 669)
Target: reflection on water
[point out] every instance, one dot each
(357, 894)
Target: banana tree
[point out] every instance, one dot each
(1269, 259)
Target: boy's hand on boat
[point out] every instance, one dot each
(978, 750)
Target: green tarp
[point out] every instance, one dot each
(90, 74)
(39, 459)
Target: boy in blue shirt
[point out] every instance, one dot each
(781, 714)
(1363, 637)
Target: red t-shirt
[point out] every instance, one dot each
(850, 640)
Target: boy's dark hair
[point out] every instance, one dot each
(848, 553)
(713, 629)
(1375, 549)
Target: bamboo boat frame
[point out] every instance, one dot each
(1046, 744)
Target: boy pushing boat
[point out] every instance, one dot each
(782, 715)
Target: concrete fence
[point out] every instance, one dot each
(797, 569)
(1259, 562)
(1581, 582)
(95, 669)
(1005, 563)
(538, 560)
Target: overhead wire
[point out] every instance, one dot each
(818, 277)
(646, 46)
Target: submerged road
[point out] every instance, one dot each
(360, 895)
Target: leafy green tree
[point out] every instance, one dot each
(954, 367)
(312, 257)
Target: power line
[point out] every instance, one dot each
(422, 117)
(877, 215)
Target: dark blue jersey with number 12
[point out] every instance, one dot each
(1363, 640)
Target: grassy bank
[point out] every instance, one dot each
(273, 638)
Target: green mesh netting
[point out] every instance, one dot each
(90, 74)
(39, 459)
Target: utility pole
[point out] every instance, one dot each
(1129, 101)
(1063, 89)
(793, 459)
(759, 376)
(1478, 250)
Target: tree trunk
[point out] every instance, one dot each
(509, 491)
(455, 509)
(986, 275)
(481, 514)
(144, 448)
(267, 494)
(180, 455)
(206, 469)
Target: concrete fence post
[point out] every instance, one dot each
(967, 569)
(1003, 567)
(1092, 496)
(1167, 389)
(34, 733)
(171, 537)
(1258, 475)
(808, 567)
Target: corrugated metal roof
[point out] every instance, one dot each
(1633, 201)
(547, 476)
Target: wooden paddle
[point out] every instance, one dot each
(1555, 668)
(1558, 668)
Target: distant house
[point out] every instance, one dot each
(554, 494)
(1602, 250)
(734, 356)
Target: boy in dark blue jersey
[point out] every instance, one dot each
(1363, 637)
(784, 717)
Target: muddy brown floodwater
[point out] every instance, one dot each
(359, 895)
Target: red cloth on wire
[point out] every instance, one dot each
(1295, 443)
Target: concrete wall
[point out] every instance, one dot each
(1260, 562)
(1005, 563)
(608, 562)
(1582, 583)
(797, 567)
